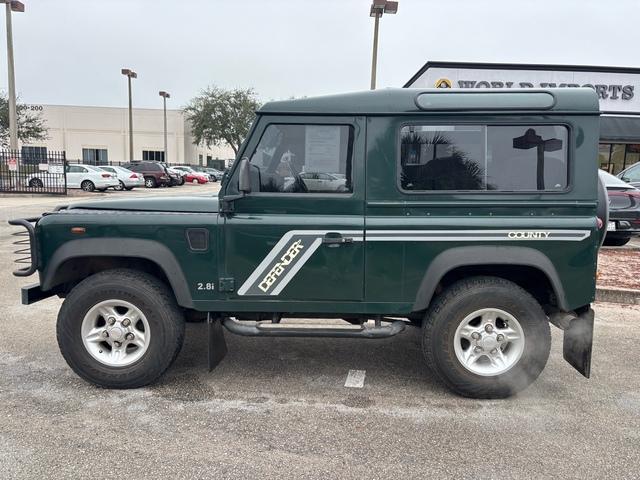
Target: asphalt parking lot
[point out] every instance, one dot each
(278, 408)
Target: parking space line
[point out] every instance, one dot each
(355, 379)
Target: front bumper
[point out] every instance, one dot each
(107, 183)
(33, 293)
(130, 182)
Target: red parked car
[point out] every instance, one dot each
(192, 176)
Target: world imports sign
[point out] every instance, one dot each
(617, 88)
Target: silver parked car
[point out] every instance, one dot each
(127, 179)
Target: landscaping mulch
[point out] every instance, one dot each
(619, 268)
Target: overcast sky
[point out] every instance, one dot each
(71, 51)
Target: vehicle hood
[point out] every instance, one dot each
(195, 204)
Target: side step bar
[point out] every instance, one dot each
(269, 329)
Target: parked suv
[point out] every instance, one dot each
(155, 174)
(475, 216)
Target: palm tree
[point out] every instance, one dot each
(447, 168)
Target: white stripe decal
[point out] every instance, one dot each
(392, 236)
(260, 270)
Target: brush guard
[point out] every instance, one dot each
(25, 244)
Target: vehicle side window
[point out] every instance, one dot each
(76, 169)
(484, 157)
(633, 174)
(289, 158)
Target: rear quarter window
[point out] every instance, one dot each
(503, 158)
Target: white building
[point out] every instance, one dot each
(101, 135)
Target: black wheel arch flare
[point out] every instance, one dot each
(487, 255)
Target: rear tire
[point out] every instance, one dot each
(150, 182)
(117, 295)
(36, 183)
(486, 368)
(616, 242)
(88, 186)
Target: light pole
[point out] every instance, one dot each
(164, 96)
(378, 7)
(130, 74)
(12, 6)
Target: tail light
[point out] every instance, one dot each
(106, 175)
(133, 175)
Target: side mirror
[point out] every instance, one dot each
(244, 176)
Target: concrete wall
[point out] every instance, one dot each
(72, 128)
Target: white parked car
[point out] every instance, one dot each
(86, 177)
(320, 182)
(126, 178)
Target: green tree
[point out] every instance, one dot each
(220, 116)
(31, 126)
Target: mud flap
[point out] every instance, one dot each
(217, 344)
(578, 342)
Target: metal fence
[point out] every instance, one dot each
(29, 172)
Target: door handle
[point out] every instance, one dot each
(336, 240)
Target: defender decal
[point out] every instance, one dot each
(295, 247)
(286, 258)
(279, 267)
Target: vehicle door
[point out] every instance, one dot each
(286, 239)
(310, 180)
(114, 173)
(326, 182)
(75, 175)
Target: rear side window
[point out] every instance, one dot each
(484, 158)
(152, 167)
(295, 158)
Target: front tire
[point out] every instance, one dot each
(485, 337)
(120, 329)
(150, 182)
(120, 186)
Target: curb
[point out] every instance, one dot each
(625, 296)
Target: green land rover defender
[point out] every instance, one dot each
(474, 215)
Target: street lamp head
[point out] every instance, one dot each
(378, 7)
(129, 73)
(15, 5)
(164, 94)
(391, 7)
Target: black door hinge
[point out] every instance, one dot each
(226, 285)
